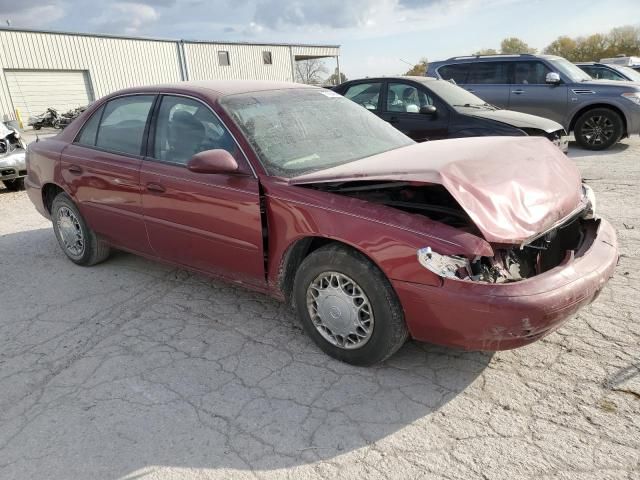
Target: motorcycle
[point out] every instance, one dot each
(50, 118)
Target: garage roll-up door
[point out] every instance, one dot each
(33, 91)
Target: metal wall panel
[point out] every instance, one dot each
(113, 63)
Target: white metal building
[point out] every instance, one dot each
(64, 70)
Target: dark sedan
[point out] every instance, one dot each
(426, 108)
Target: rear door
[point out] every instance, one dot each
(402, 104)
(529, 92)
(102, 170)
(210, 222)
(490, 82)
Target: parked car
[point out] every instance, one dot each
(599, 112)
(631, 62)
(482, 243)
(12, 160)
(609, 71)
(426, 108)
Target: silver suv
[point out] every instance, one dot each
(599, 112)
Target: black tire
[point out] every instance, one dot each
(94, 249)
(598, 129)
(389, 331)
(37, 127)
(14, 185)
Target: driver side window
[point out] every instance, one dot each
(185, 127)
(402, 97)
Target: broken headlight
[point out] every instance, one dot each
(590, 198)
(443, 265)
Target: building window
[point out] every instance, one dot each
(266, 58)
(223, 58)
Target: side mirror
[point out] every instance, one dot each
(213, 161)
(552, 78)
(428, 110)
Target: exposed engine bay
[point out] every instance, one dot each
(509, 263)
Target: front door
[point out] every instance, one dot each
(102, 170)
(402, 105)
(530, 93)
(210, 222)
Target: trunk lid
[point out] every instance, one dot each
(513, 188)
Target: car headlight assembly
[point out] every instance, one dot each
(633, 97)
(590, 197)
(446, 266)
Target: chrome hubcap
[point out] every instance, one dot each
(70, 232)
(340, 310)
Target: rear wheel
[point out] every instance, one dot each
(15, 184)
(76, 239)
(348, 307)
(598, 129)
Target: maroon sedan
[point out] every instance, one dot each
(481, 243)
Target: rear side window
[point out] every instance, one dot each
(605, 74)
(488, 73)
(530, 73)
(89, 131)
(123, 123)
(365, 94)
(457, 73)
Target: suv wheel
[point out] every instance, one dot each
(598, 129)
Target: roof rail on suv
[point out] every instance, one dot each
(494, 55)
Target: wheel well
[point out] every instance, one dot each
(49, 192)
(294, 256)
(599, 105)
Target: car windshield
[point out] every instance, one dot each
(628, 72)
(454, 95)
(575, 73)
(301, 130)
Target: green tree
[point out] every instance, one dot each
(563, 47)
(514, 45)
(335, 79)
(625, 40)
(593, 47)
(419, 69)
(487, 51)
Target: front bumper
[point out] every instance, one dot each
(13, 165)
(480, 316)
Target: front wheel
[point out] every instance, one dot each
(348, 307)
(598, 129)
(74, 236)
(14, 185)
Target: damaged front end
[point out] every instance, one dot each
(12, 155)
(555, 247)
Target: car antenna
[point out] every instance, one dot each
(37, 138)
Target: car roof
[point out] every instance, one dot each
(496, 58)
(215, 88)
(414, 78)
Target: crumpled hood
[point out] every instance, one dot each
(513, 188)
(515, 119)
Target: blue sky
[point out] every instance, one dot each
(375, 35)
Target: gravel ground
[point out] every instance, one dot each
(133, 369)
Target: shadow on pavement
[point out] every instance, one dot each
(113, 369)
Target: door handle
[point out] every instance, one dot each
(517, 92)
(154, 187)
(75, 169)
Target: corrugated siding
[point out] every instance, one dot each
(245, 62)
(112, 63)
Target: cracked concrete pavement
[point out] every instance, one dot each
(133, 369)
